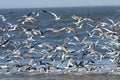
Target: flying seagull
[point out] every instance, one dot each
(53, 14)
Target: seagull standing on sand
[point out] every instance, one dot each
(53, 14)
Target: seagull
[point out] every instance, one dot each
(71, 29)
(27, 18)
(37, 32)
(5, 67)
(2, 18)
(109, 31)
(114, 23)
(61, 47)
(110, 20)
(87, 19)
(97, 29)
(53, 14)
(76, 38)
(103, 24)
(64, 56)
(45, 44)
(55, 30)
(12, 26)
(6, 41)
(77, 20)
(69, 63)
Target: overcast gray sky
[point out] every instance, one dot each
(56, 3)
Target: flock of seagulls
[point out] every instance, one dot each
(81, 47)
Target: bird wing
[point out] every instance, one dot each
(53, 14)
(111, 20)
(75, 17)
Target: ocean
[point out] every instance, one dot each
(84, 42)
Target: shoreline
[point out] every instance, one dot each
(61, 77)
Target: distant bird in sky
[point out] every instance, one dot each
(53, 14)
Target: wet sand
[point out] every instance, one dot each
(61, 77)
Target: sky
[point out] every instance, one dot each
(56, 3)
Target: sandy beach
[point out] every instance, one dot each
(60, 77)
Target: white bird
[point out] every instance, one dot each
(69, 63)
(4, 66)
(12, 26)
(87, 19)
(114, 23)
(2, 18)
(77, 20)
(76, 38)
(110, 20)
(56, 17)
(76, 17)
(53, 14)
(26, 19)
(104, 24)
(61, 47)
(45, 44)
(55, 30)
(109, 31)
(70, 29)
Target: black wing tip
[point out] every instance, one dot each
(44, 11)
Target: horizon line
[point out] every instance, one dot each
(61, 7)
